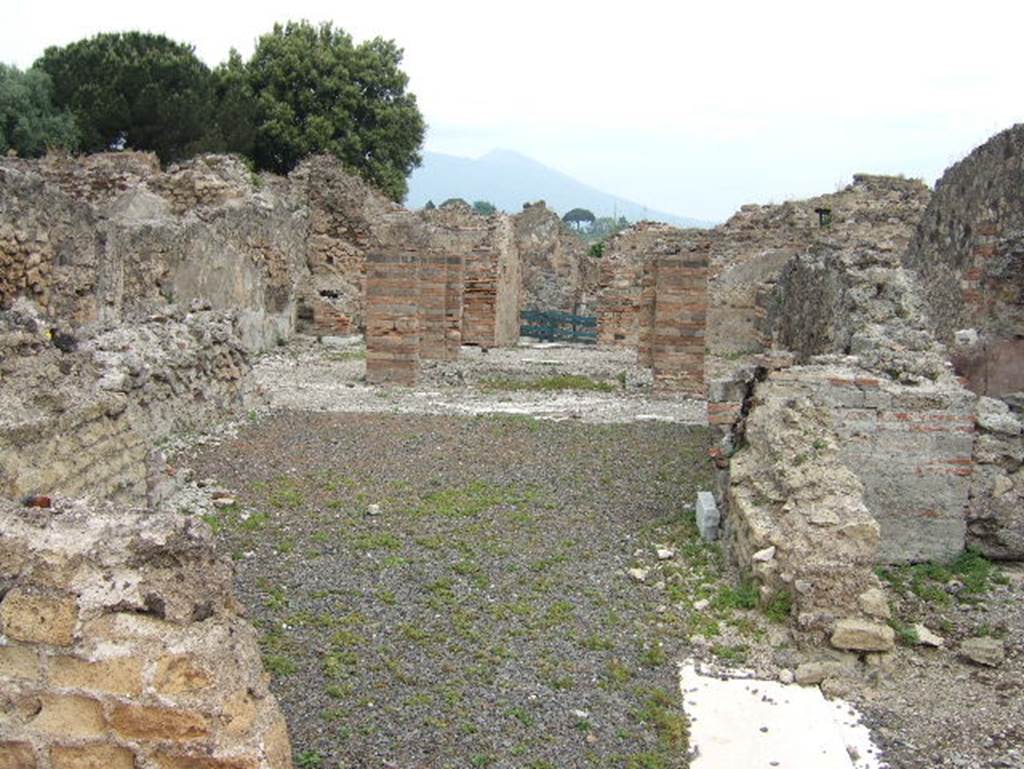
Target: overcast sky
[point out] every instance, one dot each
(691, 108)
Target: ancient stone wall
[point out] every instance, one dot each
(854, 300)
(797, 522)
(968, 254)
(124, 647)
(556, 264)
(82, 412)
(114, 238)
(749, 250)
(344, 222)
(995, 516)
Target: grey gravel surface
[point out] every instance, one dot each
(453, 592)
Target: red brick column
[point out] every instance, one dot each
(454, 284)
(392, 317)
(676, 340)
(433, 291)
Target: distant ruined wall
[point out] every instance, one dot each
(620, 287)
(968, 254)
(555, 261)
(749, 251)
(116, 238)
(124, 647)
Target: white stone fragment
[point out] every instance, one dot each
(708, 518)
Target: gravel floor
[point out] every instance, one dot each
(484, 615)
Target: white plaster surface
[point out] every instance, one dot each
(747, 723)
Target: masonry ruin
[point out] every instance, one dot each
(862, 370)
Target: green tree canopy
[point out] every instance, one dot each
(29, 123)
(484, 207)
(317, 92)
(141, 89)
(578, 216)
(233, 122)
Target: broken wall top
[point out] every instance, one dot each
(969, 248)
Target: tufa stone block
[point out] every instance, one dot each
(122, 675)
(69, 716)
(36, 618)
(173, 761)
(861, 635)
(91, 757)
(19, 662)
(17, 755)
(153, 723)
(179, 674)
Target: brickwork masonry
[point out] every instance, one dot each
(122, 647)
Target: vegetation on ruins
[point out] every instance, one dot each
(132, 89)
(29, 122)
(306, 90)
(484, 207)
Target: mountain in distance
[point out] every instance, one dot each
(508, 180)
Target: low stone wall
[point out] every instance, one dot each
(796, 520)
(909, 445)
(123, 647)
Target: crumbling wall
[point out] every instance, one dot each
(995, 515)
(854, 300)
(81, 413)
(124, 647)
(968, 254)
(797, 522)
(113, 238)
(749, 250)
(554, 261)
(344, 216)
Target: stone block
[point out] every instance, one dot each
(276, 745)
(183, 761)
(240, 712)
(69, 716)
(91, 757)
(37, 618)
(17, 755)
(122, 675)
(153, 723)
(861, 635)
(708, 517)
(179, 674)
(19, 662)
